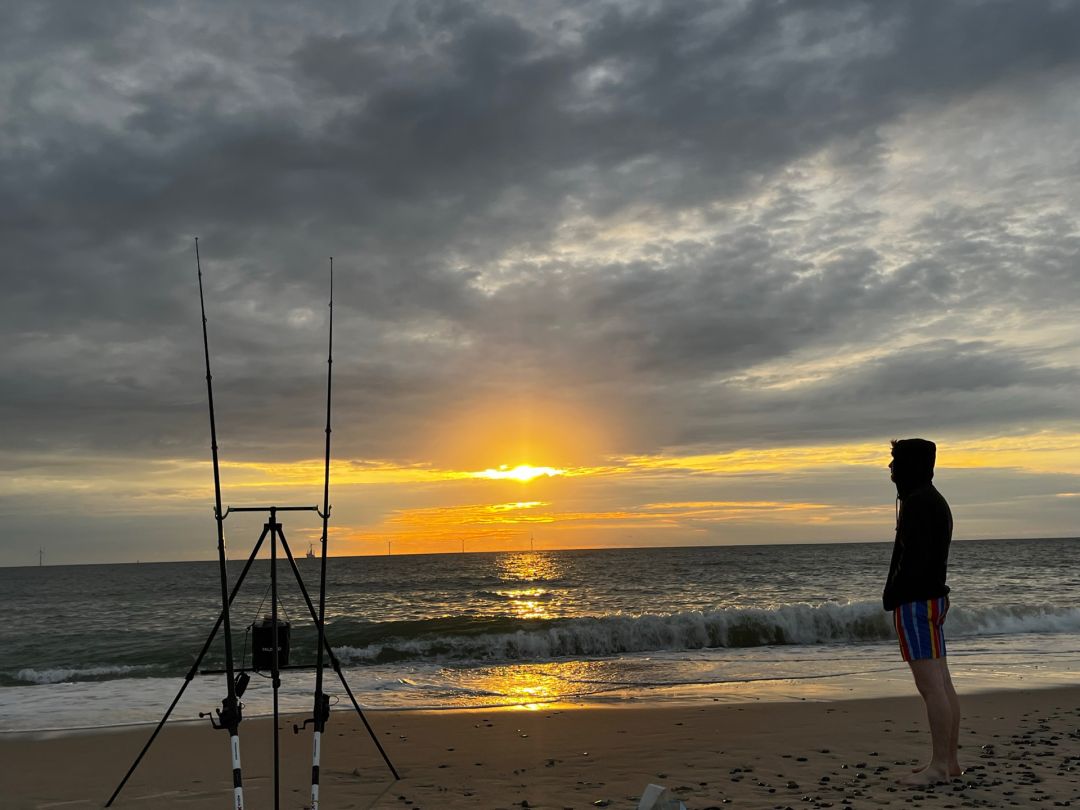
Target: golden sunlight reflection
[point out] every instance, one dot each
(529, 571)
(532, 687)
(530, 567)
(527, 688)
(528, 603)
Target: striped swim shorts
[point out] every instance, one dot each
(919, 628)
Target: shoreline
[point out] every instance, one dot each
(842, 753)
(79, 707)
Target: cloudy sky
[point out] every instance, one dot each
(699, 262)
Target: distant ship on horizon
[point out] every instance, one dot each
(310, 552)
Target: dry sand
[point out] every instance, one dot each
(1022, 749)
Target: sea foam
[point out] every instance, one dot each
(545, 639)
(64, 675)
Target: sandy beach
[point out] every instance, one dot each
(1019, 748)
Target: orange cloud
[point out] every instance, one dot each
(510, 525)
(472, 515)
(172, 485)
(1042, 452)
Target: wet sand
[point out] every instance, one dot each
(1021, 749)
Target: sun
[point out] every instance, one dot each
(522, 472)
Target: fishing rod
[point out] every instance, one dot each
(229, 715)
(321, 711)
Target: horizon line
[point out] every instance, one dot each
(557, 550)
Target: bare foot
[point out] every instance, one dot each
(930, 775)
(954, 770)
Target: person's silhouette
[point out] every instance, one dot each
(917, 595)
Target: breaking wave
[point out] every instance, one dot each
(493, 639)
(506, 639)
(62, 675)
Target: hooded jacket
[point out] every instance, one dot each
(924, 526)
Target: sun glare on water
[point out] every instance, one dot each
(522, 472)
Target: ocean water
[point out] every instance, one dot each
(91, 646)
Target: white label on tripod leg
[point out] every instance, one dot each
(315, 749)
(235, 752)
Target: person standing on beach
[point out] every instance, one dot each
(917, 595)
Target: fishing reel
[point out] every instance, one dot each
(323, 714)
(231, 712)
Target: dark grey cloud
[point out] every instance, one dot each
(957, 388)
(442, 152)
(947, 367)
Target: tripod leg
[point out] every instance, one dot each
(341, 676)
(188, 678)
(150, 742)
(334, 662)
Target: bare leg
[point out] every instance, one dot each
(954, 740)
(955, 768)
(930, 680)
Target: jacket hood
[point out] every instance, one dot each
(913, 464)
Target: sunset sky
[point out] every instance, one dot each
(606, 273)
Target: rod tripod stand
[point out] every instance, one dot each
(273, 530)
(230, 714)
